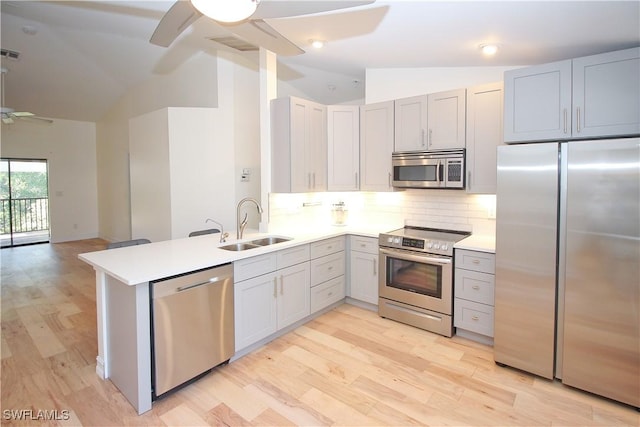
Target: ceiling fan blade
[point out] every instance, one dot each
(174, 22)
(7, 120)
(22, 114)
(282, 9)
(35, 119)
(258, 32)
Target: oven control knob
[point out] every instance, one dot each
(429, 245)
(389, 239)
(444, 247)
(436, 245)
(396, 240)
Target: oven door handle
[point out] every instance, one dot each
(416, 258)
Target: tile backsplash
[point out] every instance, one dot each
(447, 209)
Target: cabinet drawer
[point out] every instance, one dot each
(255, 266)
(476, 261)
(473, 317)
(327, 267)
(327, 293)
(474, 286)
(326, 247)
(363, 244)
(292, 256)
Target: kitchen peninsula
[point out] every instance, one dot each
(122, 296)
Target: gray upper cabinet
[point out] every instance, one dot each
(343, 138)
(411, 123)
(299, 143)
(376, 146)
(484, 135)
(430, 122)
(606, 94)
(593, 96)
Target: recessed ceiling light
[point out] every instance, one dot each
(489, 49)
(317, 43)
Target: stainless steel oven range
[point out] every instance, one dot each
(416, 277)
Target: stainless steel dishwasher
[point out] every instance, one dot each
(193, 329)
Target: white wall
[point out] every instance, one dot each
(228, 83)
(383, 84)
(70, 150)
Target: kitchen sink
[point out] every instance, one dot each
(269, 240)
(265, 241)
(239, 247)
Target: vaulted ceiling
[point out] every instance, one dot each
(77, 58)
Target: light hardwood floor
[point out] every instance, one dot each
(347, 367)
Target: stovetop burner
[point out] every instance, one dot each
(431, 240)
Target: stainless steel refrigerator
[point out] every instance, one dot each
(567, 291)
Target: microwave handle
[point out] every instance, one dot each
(440, 171)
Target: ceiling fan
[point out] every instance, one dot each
(249, 23)
(8, 114)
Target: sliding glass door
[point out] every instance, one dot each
(24, 199)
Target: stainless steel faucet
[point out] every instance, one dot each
(242, 224)
(223, 235)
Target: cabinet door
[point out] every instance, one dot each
(255, 309)
(484, 135)
(294, 294)
(316, 147)
(537, 102)
(446, 118)
(606, 94)
(376, 146)
(410, 123)
(364, 277)
(343, 140)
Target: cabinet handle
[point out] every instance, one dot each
(389, 179)
(430, 137)
(314, 180)
(469, 179)
(309, 180)
(578, 124)
(330, 268)
(422, 139)
(281, 285)
(475, 318)
(375, 267)
(565, 120)
(275, 287)
(475, 287)
(356, 179)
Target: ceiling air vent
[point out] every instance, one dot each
(9, 54)
(235, 43)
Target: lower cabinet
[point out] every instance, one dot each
(474, 282)
(327, 272)
(270, 294)
(363, 263)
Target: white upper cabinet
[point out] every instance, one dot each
(594, 96)
(411, 123)
(343, 139)
(376, 146)
(484, 134)
(606, 94)
(446, 117)
(299, 143)
(430, 122)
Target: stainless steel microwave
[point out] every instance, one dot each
(428, 169)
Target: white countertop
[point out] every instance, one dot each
(143, 263)
(478, 242)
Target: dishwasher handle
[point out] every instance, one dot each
(186, 282)
(195, 285)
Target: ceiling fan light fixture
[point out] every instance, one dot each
(489, 49)
(318, 44)
(226, 10)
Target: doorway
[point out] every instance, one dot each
(24, 202)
